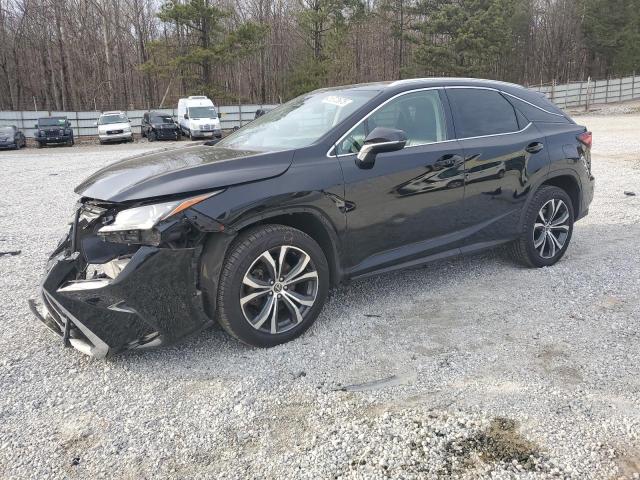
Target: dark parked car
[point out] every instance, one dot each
(11, 137)
(159, 126)
(55, 130)
(334, 185)
(259, 112)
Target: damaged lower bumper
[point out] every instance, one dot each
(152, 300)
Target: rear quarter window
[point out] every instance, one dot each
(536, 114)
(479, 112)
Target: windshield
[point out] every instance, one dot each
(6, 129)
(52, 122)
(202, 112)
(299, 122)
(109, 119)
(162, 119)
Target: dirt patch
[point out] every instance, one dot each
(500, 442)
(629, 466)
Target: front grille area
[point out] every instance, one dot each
(114, 132)
(52, 133)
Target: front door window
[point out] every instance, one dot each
(419, 114)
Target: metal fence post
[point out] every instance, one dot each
(580, 94)
(586, 104)
(633, 85)
(620, 92)
(606, 92)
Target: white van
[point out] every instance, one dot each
(198, 117)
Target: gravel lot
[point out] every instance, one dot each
(485, 369)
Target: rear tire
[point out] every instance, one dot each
(151, 136)
(273, 285)
(547, 228)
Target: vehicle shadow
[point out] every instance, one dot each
(451, 307)
(359, 304)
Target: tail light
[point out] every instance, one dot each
(586, 139)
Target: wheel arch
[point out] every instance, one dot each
(568, 181)
(311, 222)
(570, 184)
(307, 220)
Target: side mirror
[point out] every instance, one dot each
(95, 124)
(380, 140)
(186, 116)
(35, 126)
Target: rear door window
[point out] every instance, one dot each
(478, 112)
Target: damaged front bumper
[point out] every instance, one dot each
(152, 301)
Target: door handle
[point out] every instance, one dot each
(534, 147)
(448, 160)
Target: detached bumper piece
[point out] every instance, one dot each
(152, 301)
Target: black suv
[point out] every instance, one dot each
(159, 126)
(55, 130)
(334, 185)
(11, 137)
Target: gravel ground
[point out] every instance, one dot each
(479, 368)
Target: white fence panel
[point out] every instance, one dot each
(593, 92)
(569, 95)
(84, 123)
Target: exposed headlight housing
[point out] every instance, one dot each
(136, 225)
(140, 218)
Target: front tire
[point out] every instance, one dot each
(547, 228)
(273, 285)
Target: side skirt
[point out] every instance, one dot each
(466, 250)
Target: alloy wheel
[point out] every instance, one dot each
(279, 289)
(551, 230)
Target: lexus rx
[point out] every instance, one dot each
(334, 185)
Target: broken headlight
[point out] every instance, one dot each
(136, 225)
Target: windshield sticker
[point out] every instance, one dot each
(337, 101)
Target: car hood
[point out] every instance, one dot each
(51, 127)
(181, 171)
